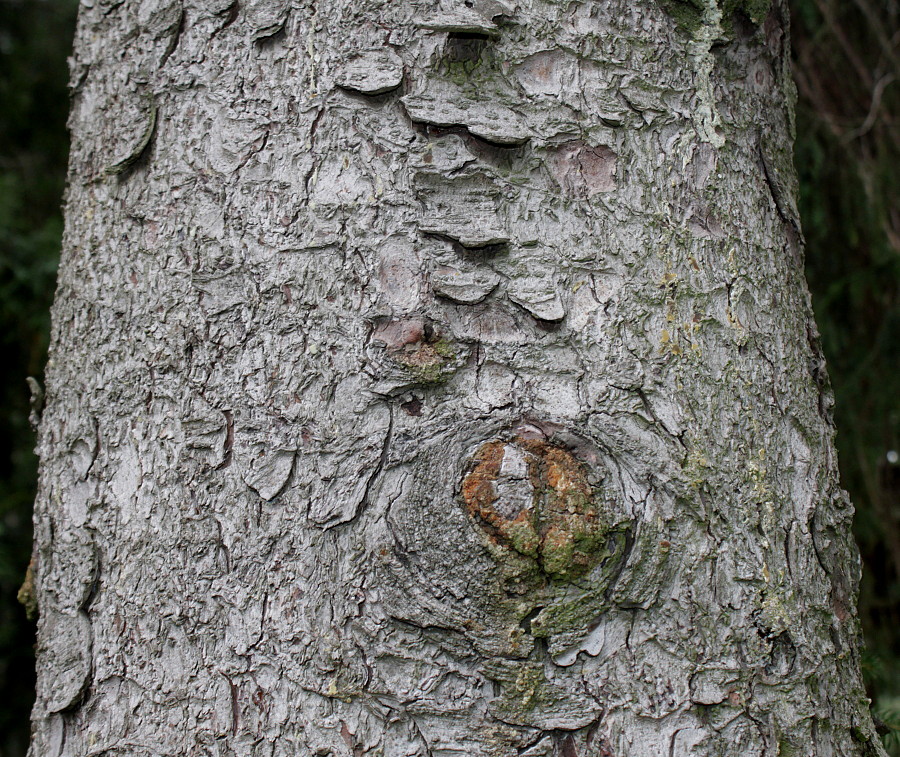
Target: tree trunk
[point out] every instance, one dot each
(439, 380)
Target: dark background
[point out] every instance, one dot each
(847, 68)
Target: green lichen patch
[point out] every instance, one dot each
(468, 59)
(527, 691)
(419, 350)
(687, 14)
(528, 698)
(755, 10)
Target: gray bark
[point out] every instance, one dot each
(438, 379)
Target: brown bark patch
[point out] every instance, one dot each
(414, 344)
(582, 170)
(398, 334)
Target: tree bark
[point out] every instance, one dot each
(439, 380)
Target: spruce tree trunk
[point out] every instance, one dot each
(439, 380)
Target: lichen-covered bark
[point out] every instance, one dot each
(438, 379)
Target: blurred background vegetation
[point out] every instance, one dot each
(35, 39)
(847, 66)
(847, 69)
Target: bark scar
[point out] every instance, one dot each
(534, 497)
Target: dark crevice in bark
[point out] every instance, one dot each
(230, 15)
(525, 623)
(618, 570)
(431, 631)
(543, 324)
(228, 444)
(136, 155)
(652, 413)
(175, 38)
(460, 47)
(777, 189)
(374, 100)
(480, 144)
(95, 583)
(483, 250)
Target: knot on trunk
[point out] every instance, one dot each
(534, 497)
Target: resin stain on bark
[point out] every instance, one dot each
(534, 497)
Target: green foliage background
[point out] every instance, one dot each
(847, 66)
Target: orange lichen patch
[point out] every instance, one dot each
(534, 497)
(563, 472)
(512, 526)
(478, 490)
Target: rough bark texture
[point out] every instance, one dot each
(438, 380)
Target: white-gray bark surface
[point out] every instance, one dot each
(434, 379)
